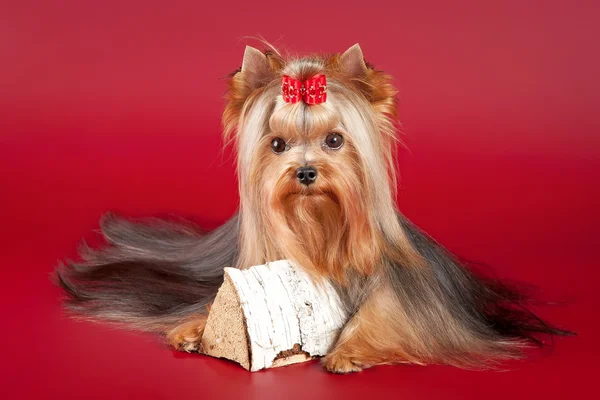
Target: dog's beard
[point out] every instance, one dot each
(326, 229)
(317, 223)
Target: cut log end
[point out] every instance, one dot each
(272, 315)
(225, 334)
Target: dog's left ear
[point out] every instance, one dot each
(352, 62)
(375, 85)
(258, 70)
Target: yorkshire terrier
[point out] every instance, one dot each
(315, 140)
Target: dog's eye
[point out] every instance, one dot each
(334, 141)
(278, 145)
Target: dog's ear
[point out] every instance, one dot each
(377, 88)
(352, 62)
(258, 70)
(374, 84)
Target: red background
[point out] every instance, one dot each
(115, 105)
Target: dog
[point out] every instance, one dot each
(315, 139)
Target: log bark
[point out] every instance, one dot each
(272, 315)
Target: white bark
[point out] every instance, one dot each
(286, 317)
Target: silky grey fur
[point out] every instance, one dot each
(488, 308)
(152, 274)
(447, 303)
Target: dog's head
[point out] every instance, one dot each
(316, 180)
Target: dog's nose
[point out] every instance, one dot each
(306, 175)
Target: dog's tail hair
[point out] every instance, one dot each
(152, 275)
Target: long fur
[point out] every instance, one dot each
(152, 275)
(410, 299)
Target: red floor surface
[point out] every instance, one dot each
(115, 105)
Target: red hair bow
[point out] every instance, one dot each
(312, 91)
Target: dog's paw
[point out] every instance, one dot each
(188, 344)
(340, 364)
(187, 337)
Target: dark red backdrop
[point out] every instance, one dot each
(115, 105)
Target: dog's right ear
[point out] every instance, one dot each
(258, 70)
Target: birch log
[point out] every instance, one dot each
(272, 315)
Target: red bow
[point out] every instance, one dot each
(312, 91)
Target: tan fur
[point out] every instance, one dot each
(382, 333)
(187, 336)
(241, 86)
(263, 116)
(340, 227)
